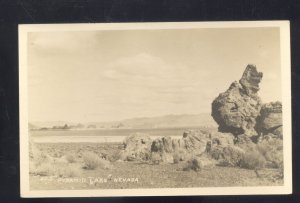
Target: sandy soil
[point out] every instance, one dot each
(140, 175)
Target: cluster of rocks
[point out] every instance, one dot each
(243, 121)
(239, 110)
(193, 143)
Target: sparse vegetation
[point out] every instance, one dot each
(70, 158)
(69, 171)
(115, 156)
(92, 161)
(230, 156)
(194, 164)
(272, 150)
(253, 160)
(149, 175)
(56, 169)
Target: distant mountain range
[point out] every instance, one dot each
(167, 121)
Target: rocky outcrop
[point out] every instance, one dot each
(270, 119)
(137, 147)
(222, 139)
(193, 142)
(236, 109)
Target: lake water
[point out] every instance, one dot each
(101, 135)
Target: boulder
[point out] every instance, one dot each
(270, 119)
(193, 142)
(163, 144)
(236, 109)
(161, 150)
(222, 139)
(137, 147)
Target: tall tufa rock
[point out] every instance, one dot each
(250, 80)
(236, 109)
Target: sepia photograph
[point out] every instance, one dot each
(163, 109)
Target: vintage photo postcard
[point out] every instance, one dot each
(155, 109)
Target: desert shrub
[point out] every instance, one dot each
(216, 153)
(43, 169)
(115, 156)
(93, 161)
(68, 171)
(232, 156)
(253, 160)
(194, 164)
(57, 154)
(53, 169)
(38, 157)
(272, 150)
(70, 158)
(227, 156)
(275, 159)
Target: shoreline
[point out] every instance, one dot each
(88, 139)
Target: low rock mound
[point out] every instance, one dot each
(137, 147)
(140, 147)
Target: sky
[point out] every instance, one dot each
(107, 75)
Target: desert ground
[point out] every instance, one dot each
(67, 170)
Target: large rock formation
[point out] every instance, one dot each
(241, 117)
(137, 147)
(270, 119)
(236, 110)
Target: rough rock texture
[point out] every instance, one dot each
(161, 150)
(195, 141)
(167, 150)
(250, 80)
(222, 139)
(236, 109)
(163, 144)
(137, 147)
(270, 119)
